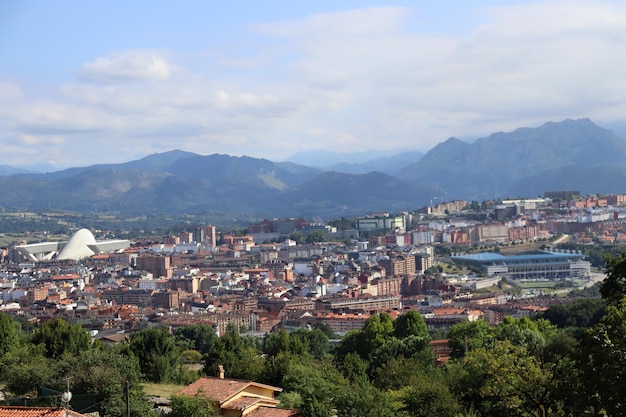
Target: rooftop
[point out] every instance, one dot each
(6, 411)
(496, 257)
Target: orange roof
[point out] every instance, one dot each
(245, 403)
(272, 412)
(65, 277)
(37, 412)
(218, 389)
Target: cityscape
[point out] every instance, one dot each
(452, 262)
(361, 208)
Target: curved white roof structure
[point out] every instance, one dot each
(76, 248)
(81, 245)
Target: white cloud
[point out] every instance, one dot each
(360, 22)
(351, 80)
(127, 66)
(9, 91)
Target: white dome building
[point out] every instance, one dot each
(81, 245)
(76, 248)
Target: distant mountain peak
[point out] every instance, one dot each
(491, 166)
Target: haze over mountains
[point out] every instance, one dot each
(572, 154)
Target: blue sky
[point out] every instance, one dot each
(110, 81)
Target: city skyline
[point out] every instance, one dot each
(84, 83)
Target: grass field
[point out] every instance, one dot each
(161, 390)
(538, 284)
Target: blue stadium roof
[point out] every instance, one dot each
(496, 257)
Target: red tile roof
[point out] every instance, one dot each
(272, 412)
(244, 403)
(36, 412)
(219, 390)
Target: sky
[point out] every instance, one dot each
(113, 81)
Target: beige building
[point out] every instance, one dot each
(236, 398)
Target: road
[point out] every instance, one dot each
(562, 239)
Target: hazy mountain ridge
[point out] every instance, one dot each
(177, 182)
(495, 166)
(573, 154)
(390, 165)
(9, 170)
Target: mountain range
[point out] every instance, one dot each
(567, 155)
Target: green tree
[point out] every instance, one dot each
(10, 333)
(275, 343)
(183, 406)
(378, 329)
(583, 313)
(602, 361)
(468, 335)
(415, 348)
(525, 332)
(506, 380)
(326, 329)
(614, 286)
(362, 399)
(315, 341)
(240, 360)
(398, 373)
(298, 236)
(26, 368)
(60, 337)
(103, 373)
(343, 223)
(157, 353)
(202, 336)
(410, 323)
(429, 396)
(315, 236)
(317, 383)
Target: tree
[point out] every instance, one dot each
(202, 336)
(26, 368)
(317, 383)
(362, 399)
(343, 223)
(378, 329)
(60, 337)
(298, 236)
(505, 380)
(325, 328)
(525, 332)
(410, 323)
(157, 353)
(275, 343)
(10, 333)
(468, 335)
(315, 341)
(429, 396)
(315, 236)
(602, 360)
(614, 286)
(183, 406)
(238, 359)
(397, 373)
(103, 373)
(583, 313)
(416, 348)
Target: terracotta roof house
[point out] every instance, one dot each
(238, 398)
(10, 411)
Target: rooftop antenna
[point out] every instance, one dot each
(66, 397)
